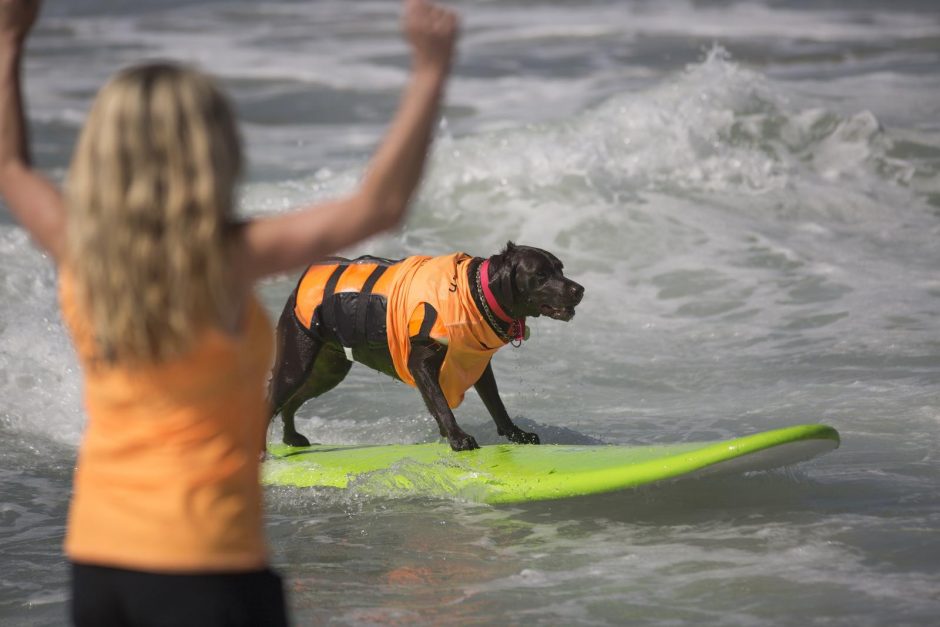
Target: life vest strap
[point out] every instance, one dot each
(362, 306)
(332, 282)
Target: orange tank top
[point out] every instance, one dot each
(168, 473)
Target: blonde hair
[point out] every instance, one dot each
(150, 192)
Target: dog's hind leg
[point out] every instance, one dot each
(329, 368)
(297, 351)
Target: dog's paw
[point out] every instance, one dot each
(295, 439)
(462, 442)
(522, 437)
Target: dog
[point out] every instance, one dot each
(431, 322)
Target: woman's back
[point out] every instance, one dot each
(167, 476)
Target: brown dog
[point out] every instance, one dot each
(434, 323)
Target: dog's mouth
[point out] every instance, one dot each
(557, 313)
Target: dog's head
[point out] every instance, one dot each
(532, 281)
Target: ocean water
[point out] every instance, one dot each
(749, 192)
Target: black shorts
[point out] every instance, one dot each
(103, 597)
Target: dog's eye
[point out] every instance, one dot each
(541, 277)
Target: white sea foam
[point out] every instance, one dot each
(39, 381)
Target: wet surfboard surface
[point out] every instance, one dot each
(510, 473)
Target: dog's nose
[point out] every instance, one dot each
(577, 292)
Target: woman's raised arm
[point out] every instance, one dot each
(285, 242)
(34, 201)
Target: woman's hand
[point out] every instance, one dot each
(16, 18)
(432, 32)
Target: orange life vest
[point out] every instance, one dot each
(407, 285)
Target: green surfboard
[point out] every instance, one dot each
(509, 473)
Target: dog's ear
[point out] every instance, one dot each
(510, 247)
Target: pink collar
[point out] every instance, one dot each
(516, 327)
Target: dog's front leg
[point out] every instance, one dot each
(489, 393)
(424, 362)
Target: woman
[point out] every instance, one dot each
(165, 525)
